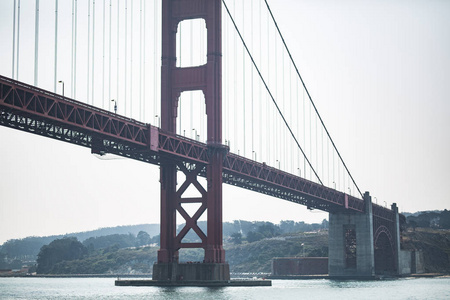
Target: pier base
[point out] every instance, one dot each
(198, 283)
(191, 271)
(192, 274)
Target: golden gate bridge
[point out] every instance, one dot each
(242, 116)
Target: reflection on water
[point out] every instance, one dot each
(103, 288)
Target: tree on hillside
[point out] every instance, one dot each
(444, 220)
(236, 238)
(143, 238)
(287, 226)
(253, 236)
(102, 242)
(269, 230)
(155, 239)
(64, 249)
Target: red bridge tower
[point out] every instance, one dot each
(174, 81)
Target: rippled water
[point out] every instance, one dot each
(103, 288)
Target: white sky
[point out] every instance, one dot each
(379, 72)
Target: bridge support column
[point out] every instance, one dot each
(396, 233)
(351, 248)
(174, 81)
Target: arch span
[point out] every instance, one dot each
(384, 251)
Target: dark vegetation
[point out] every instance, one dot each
(250, 247)
(434, 244)
(60, 250)
(119, 252)
(429, 219)
(28, 248)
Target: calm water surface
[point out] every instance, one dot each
(103, 288)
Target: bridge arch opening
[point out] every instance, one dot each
(191, 43)
(191, 119)
(384, 252)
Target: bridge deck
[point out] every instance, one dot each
(38, 111)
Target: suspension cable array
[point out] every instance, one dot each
(309, 96)
(286, 89)
(107, 53)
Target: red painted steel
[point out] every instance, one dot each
(17, 96)
(174, 81)
(155, 145)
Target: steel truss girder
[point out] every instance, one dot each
(259, 177)
(32, 100)
(191, 172)
(64, 133)
(33, 114)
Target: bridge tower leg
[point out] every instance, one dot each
(207, 78)
(351, 246)
(396, 234)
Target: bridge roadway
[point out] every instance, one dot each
(31, 109)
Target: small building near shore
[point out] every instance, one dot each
(291, 266)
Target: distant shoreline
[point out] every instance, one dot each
(293, 277)
(80, 275)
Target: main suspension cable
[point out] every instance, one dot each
(268, 90)
(309, 96)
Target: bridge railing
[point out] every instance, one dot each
(149, 142)
(18, 96)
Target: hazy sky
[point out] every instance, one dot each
(379, 72)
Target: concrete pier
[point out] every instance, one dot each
(192, 274)
(351, 248)
(191, 271)
(197, 283)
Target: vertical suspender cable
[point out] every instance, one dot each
(276, 96)
(191, 32)
(283, 109)
(251, 77)
(270, 142)
(14, 40)
(304, 132)
(317, 147)
(143, 71)
(126, 58)
(103, 56)
(203, 57)
(93, 50)
(140, 61)
(88, 52)
(289, 150)
(243, 74)
(259, 84)
(109, 56)
(339, 176)
(36, 44)
(236, 142)
(131, 60)
(310, 138)
(75, 52)
(18, 39)
(117, 55)
(298, 123)
(225, 81)
(328, 160)
(323, 172)
(155, 58)
(72, 52)
(179, 61)
(56, 47)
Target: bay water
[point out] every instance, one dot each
(103, 288)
